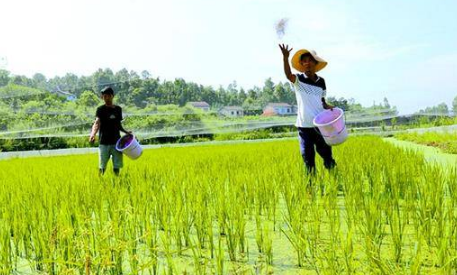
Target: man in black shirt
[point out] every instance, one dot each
(108, 124)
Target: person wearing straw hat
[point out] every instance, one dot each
(108, 125)
(310, 91)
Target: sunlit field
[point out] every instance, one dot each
(446, 141)
(230, 209)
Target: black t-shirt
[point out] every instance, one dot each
(110, 124)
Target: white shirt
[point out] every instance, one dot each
(309, 96)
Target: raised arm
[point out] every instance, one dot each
(285, 53)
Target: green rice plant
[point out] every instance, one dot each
(264, 239)
(295, 218)
(313, 230)
(333, 263)
(416, 262)
(166, 241)
(220, 258)
(232, 239)
(230, 208)
(6, 258)
(197, 256)
(395, 216)
(152, 242)
(267, 243)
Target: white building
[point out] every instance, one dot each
(232, 111)
(281, 109)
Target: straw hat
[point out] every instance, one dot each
(321, 63)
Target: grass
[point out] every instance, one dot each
(446, 141)
(244, 208)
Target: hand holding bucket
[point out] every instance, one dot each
(130, 146)
(331, 125)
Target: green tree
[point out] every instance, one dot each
(454, 105)
(101, 78)
(208, 95)
(283, 93)
(267, 94)
(21, 80)
(340, 103)
(386, 103)
(70, 83)
(39, 81)
(150, 87)
(4, 77)
(441, 108)
(241, 96)
(138, 97)
(254, 93)
(145, 75)
(88, 99)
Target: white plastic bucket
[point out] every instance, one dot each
(331, 125)
(130, 146)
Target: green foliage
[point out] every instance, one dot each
(4, 77)
(12, 91)
(446, 141)
(152, 106)
(441, 108)
(89, 99)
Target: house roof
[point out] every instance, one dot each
(199, 104)
(234, 108)
(60, 91)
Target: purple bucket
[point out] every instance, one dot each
(129, 145)
(331, 125)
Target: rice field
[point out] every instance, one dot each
(445, 141)
(230, 209)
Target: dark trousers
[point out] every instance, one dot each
(310, 138)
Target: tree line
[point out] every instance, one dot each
(142, 89)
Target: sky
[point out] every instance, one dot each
(403, 50)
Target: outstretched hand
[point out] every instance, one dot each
(285, 50)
